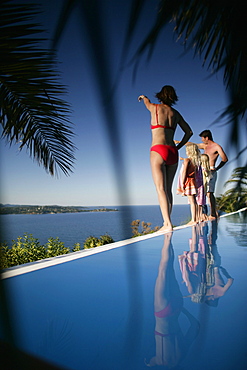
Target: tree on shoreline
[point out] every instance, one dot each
(236, 197)
(32, 110)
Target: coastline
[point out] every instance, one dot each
(76, 227)
(41, 210)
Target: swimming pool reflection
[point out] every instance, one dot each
(201, 266)
(79, 314)
(237, 227)
(206, 282)
(172, 344)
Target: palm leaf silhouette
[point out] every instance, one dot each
(32, 110)
(216, 31)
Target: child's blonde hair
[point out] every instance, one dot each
(205, 163)
(193, 153)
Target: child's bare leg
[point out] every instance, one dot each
(193, 209)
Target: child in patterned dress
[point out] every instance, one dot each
(190, 182)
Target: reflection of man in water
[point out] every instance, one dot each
(201, 267)
(171, 343)
(220, 287)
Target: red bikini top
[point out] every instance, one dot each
(162, 126)
(157, 120)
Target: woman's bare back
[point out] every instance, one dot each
(165, 116)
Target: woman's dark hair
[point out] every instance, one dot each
(167, 95)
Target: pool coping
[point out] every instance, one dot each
(48, 262)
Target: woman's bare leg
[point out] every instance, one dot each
(162, 288)
(160, 180)
(170, 174)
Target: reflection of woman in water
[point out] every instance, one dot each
(171, 343)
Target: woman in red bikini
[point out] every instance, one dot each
(164, 152)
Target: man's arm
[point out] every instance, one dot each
(200, 146)
(223, 157)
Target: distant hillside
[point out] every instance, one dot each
(27, 209)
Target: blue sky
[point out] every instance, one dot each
(93, 183)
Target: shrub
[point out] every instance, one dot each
(145, 228)
(28, 249)
(25, 249)
(106, 239)
(76, 247)
(92, 241)
(55, 247)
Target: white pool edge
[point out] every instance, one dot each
(38, 265)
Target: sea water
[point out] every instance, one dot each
(73, 228)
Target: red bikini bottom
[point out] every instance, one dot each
(168, 153)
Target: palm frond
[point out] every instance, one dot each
(234, 198)
(32, 110)
(216, 31)
(238, 178)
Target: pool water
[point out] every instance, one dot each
(97, 311)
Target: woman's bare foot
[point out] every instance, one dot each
(166, 228)
(191, 223)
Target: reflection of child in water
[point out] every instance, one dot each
(193, 267)
(171, 343)
(200, 267)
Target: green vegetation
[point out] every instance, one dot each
(92, 241)
(28, 249)
(49, 209)
(145, 228)
(33, 111)
(236, 197)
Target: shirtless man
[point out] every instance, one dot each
(213, 150)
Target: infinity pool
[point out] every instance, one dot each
(177, 300)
